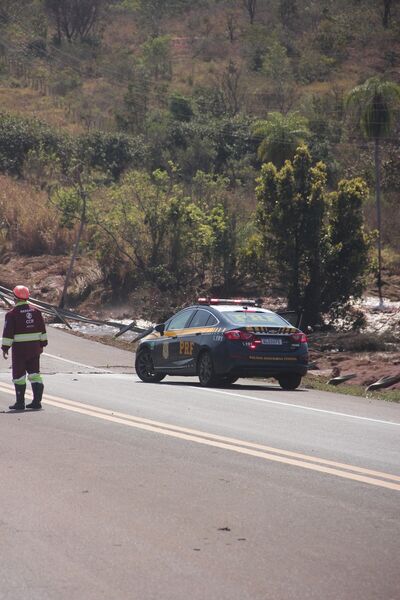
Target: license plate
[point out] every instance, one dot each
(272, 341)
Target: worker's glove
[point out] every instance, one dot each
(5, 353)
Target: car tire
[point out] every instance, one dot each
(289, 382)
(144, 367)
(205, 370)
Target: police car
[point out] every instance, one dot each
(221, 340)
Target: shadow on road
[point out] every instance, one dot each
(20, 412)
(233, 387)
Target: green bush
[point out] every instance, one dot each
(108, 152)
(207, 145)
(65, 81)
(180, 107)
(314, 66)
(331, 39)
(19, 137)
(112, 152)
(256, 44)
(37, 47)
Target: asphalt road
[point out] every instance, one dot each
(124, 490)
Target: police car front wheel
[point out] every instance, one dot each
(145, 368)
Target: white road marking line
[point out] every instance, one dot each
(301, 406)
(239, 446)
(73, 362)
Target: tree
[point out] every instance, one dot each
(288, 12)
(231, 24)
(74, 18)
(311, 184)
(280, 135)
(169, 237)
(180, 107)
(256, 42)
(132, 118)
(156, 57)
(290, 213)
(154, 12)
(232, 88)
(73, 203)
(276, 65)
(347, 261)
(387, 12)
(11, 10)
(375, 101)
(315, 243)
(70, 186)
(250, 6)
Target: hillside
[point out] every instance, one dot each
(180, 86)
(293, 53)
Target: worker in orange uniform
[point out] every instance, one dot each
(25, 332)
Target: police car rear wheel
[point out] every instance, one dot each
(145, 368)
(205, 370)
(289, 382)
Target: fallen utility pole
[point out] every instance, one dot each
(64, 315)
(384, 382)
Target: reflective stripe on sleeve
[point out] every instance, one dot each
(43, 337)
(7, 341)
(27, 337)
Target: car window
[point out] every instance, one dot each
(180, 320)
(256, 318)
(211, 320)
(293, 317)
(200, 318)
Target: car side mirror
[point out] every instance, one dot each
(160, 328)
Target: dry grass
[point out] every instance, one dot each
(29, 224)
(320, 383)
(30, 103)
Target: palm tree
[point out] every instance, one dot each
(375, 101)
(281, 135)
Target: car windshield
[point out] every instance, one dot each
(256, 318)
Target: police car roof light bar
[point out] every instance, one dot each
(235, 301)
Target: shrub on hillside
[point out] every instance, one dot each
(19, 137)
(112, 152)
(314, 66)
(65, 81)
(108, 152)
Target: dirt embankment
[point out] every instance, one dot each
(45, 276)
(368, 367)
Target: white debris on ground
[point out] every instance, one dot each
(104, 330)
(383, 318)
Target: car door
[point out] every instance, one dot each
(197, 335)
(171, 358)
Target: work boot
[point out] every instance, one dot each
(20, 403)
(37, 389)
